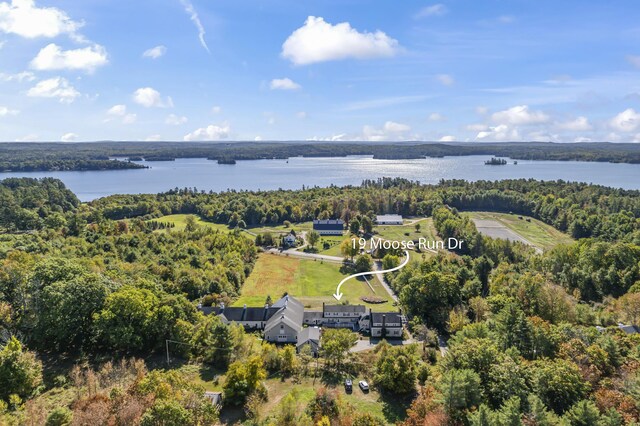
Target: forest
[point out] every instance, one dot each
(19, 157)
(91, 293)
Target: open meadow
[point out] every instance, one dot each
(312, 282)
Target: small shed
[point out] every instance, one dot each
(309, 336)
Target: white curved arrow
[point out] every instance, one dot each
(338, 295)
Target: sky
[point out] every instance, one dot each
(334, 70)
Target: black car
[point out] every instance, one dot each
(348, 385)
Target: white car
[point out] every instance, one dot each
(363, 385)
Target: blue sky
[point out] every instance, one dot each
(490, 70)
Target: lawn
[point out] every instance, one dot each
(334, 242)
(389, 409)
(180, 222)
(312, 282)
(398, 232)
(536, 232)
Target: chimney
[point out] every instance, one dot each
(221, 307)
(244, 312)
(384, 320)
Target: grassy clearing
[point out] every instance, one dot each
(537, 233)
(312, 282)
(390, 410)
(334, 243)
(180, 222)
(399, 232)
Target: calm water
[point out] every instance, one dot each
(274, 174)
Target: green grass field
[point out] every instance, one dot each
(398, 232)
(180, 222)
(334, 242)
(390, 410)
(537, 233)
(312, 282)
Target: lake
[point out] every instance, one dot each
(296, 172)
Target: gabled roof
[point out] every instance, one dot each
(312, 314)
(308, 334)
(391, 317)
(328, 224)
(290, 311)
(389, 218)
(360, 309)
(629, 329)
(238, 314)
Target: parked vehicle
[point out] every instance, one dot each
(348, 385)
(363, 385)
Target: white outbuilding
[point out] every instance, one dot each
(389, 219)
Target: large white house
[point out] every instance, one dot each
(389, 219)
(286, 321)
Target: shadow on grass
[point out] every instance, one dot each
(394, 407)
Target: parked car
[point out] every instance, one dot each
(348, 385)
(363, 385)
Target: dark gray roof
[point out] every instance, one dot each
(312, 314)
(290, 311)
(391, 317)
(244, 314)
(309, 333)
(345, 308)
(629, 329)
(328, 224)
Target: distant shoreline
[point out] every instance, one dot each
(36, 156)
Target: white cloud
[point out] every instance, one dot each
(52, 57)
(23, 18)
(19, 77)
(175, 120)
(499, 133)
(155, 52)
(31, 137)
(482, 110)
(149, 97)
(390, 131)
(69, 137)
(447, 138)
(4, 111)
(445, 79)
(57, 87)
(627, 121)
(582, 139)
(519, 115)
(506, 19)
(433, 10)
(129, 119)
(393, 127)
(479, 127)
(634, 60)
(209, 133)
(580, 124)
(117, 110)
(193, 15)
(284, 84)
(121, 111)
(258, 138)
(383, 102)
(542, 136)
(319, 41)
(153, 138)
(437, 117)
(216, 110)
(301, 115)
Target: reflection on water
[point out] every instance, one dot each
(298, 171)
